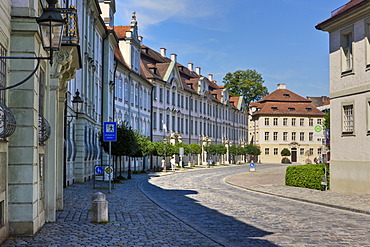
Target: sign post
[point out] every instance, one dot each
(251, 167)
(181, 153)
(110, 135)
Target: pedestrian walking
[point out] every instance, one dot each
(320, 160)
(173, 163)
(163, 164)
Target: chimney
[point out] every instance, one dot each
(190, 66)
(281, 86)
(173, 57)
(210, 77)
(163, 52)
(197, 70)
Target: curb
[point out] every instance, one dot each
(299, 199)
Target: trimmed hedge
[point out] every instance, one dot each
(307, 176)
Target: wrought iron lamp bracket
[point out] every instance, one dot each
(30, 75)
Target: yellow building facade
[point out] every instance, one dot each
(284, 119)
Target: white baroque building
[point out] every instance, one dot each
(133, 92)
(189, 107)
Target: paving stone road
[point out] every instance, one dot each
(197, 208)
(238, 217)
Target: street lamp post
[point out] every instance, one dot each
(51, 24)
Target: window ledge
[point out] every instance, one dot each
(345, 134)
(347, 73)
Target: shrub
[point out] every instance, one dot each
(306, 176)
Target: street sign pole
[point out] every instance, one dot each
(110, 164)
(109, 135)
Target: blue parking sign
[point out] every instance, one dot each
(251, 164)
(110, 132)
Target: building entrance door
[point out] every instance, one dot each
(294, 155)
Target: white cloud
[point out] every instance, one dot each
(151, 12)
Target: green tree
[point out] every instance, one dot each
(194, 149)
(248, 84)
(326, 123)
(252, 149)
(285, 152)
(179, 145)
(145, 147)
(126, 144)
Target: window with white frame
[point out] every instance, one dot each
(348, 119)
(168, 97)
(275, 121)
(267, 121)
(267, 151)
(301, 121)
(319, 121)
(301, 151)
(301, 136)
(285, 121)
(276, 151)
(319, 151)
(267, 136)
(160, 94)
(155, 120)
(293, 136)
(310, 136)
(347, 55)
(285, 136)
(311, 151)
(137, 95)
(310, 122)
(132, 94)
(367, 32)
(126, 90)
(160, 121)
(293, 121)
(275, 136)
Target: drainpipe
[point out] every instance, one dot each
(102, 93)
(151, 123)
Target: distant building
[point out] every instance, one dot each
(318, 101)
(349, 32)
(284, 119)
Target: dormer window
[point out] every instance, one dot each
(274, 108)
(145, 50)
(309, 109)
(286, 95)
(291, 109)
(153, 70)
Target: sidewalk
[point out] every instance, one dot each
(271, 181)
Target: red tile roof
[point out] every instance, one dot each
(285, 102)
(121, 31)
(151, 60)
(283, 95)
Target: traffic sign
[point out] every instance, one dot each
(251, 167)
(110, 132)
(108, 170)
(99, 170)
(318, 128)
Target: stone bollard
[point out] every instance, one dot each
(99, 208)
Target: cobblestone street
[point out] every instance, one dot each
(197, 208)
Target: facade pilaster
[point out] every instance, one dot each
(26, 205)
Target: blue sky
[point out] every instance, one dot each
(277, 38)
